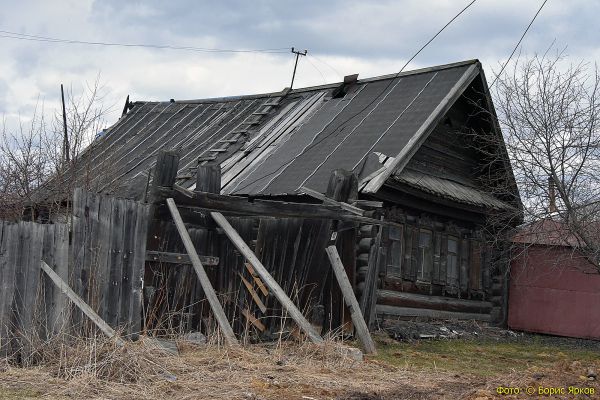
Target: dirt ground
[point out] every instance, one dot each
(463, 367)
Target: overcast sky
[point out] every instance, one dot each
(342, 37)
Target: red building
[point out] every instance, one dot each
(553, 288)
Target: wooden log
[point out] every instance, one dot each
(236, 205)
(208, 178)
(413, 300)
(179, 258)
(78, 301)
(294, 312)
(204, 281)
(165, 173)
(427, 313)
(350, 299)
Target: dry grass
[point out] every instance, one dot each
(99, 369)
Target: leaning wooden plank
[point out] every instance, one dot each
(325, 199)
(357, 318)
(254, 295)
(87, 310)
(253, 320)
(239, 243)
(257, 279)
(204, 281)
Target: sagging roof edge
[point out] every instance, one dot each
(374, 182)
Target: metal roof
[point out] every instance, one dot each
(271, 144)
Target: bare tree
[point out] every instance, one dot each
(34, 152)
(549, 113)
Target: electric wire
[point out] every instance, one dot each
(518, 43)
(36, 38)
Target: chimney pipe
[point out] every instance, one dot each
(551, 196)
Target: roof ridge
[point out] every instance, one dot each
(321, 87)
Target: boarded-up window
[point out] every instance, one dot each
(438, 277)
(475, 271)
(395, 253)
(425, 255)
(464, 264)
(452, 262)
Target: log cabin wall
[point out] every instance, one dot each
(433, 267)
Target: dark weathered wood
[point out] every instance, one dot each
(8, 242)
(208, 178)
(427, 313)
(350, 299)
(165, 173)
(369, 298)
(206, 285)
(138, 265)
(236, 205)
(294, 312)
(78, 301)
(413, 300)
(113, 308)
(179, 258)
(125, 319)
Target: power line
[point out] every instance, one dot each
(342, 125)
(519, 42)
(47, 39)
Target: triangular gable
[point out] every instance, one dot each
(373, 183)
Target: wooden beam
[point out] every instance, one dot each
(236, 205)
(423, 312)
(243, 248)
(328, 200)
(165, 173)
(204, 281)
(414, 300)
(78, 301)
(357, 318)
(179, 258)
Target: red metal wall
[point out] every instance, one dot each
(550, 292)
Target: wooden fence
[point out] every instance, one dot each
(101, 257)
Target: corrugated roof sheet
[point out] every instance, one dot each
(273, 143)
(449, 189)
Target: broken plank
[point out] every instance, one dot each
(253, 320)
(82, 305)
(179, 258)
(257, 279)
(209, 291)
(254, 295)
(325, 199)
(357, 318)
(283, 298)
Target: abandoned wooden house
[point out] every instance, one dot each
(387, 169)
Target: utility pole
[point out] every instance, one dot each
(298, 54)
(66, 138)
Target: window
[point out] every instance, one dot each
(475, 270)
(395, 254)
(452, 262)
(425, 256)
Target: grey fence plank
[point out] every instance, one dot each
(138, 265)
(7, 284)
(127, 266)
(116, 263)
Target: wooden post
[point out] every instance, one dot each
(357, 317)
(165, 173)
(208, 178)
(243, 248)
(82, 305)
(204, 281)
